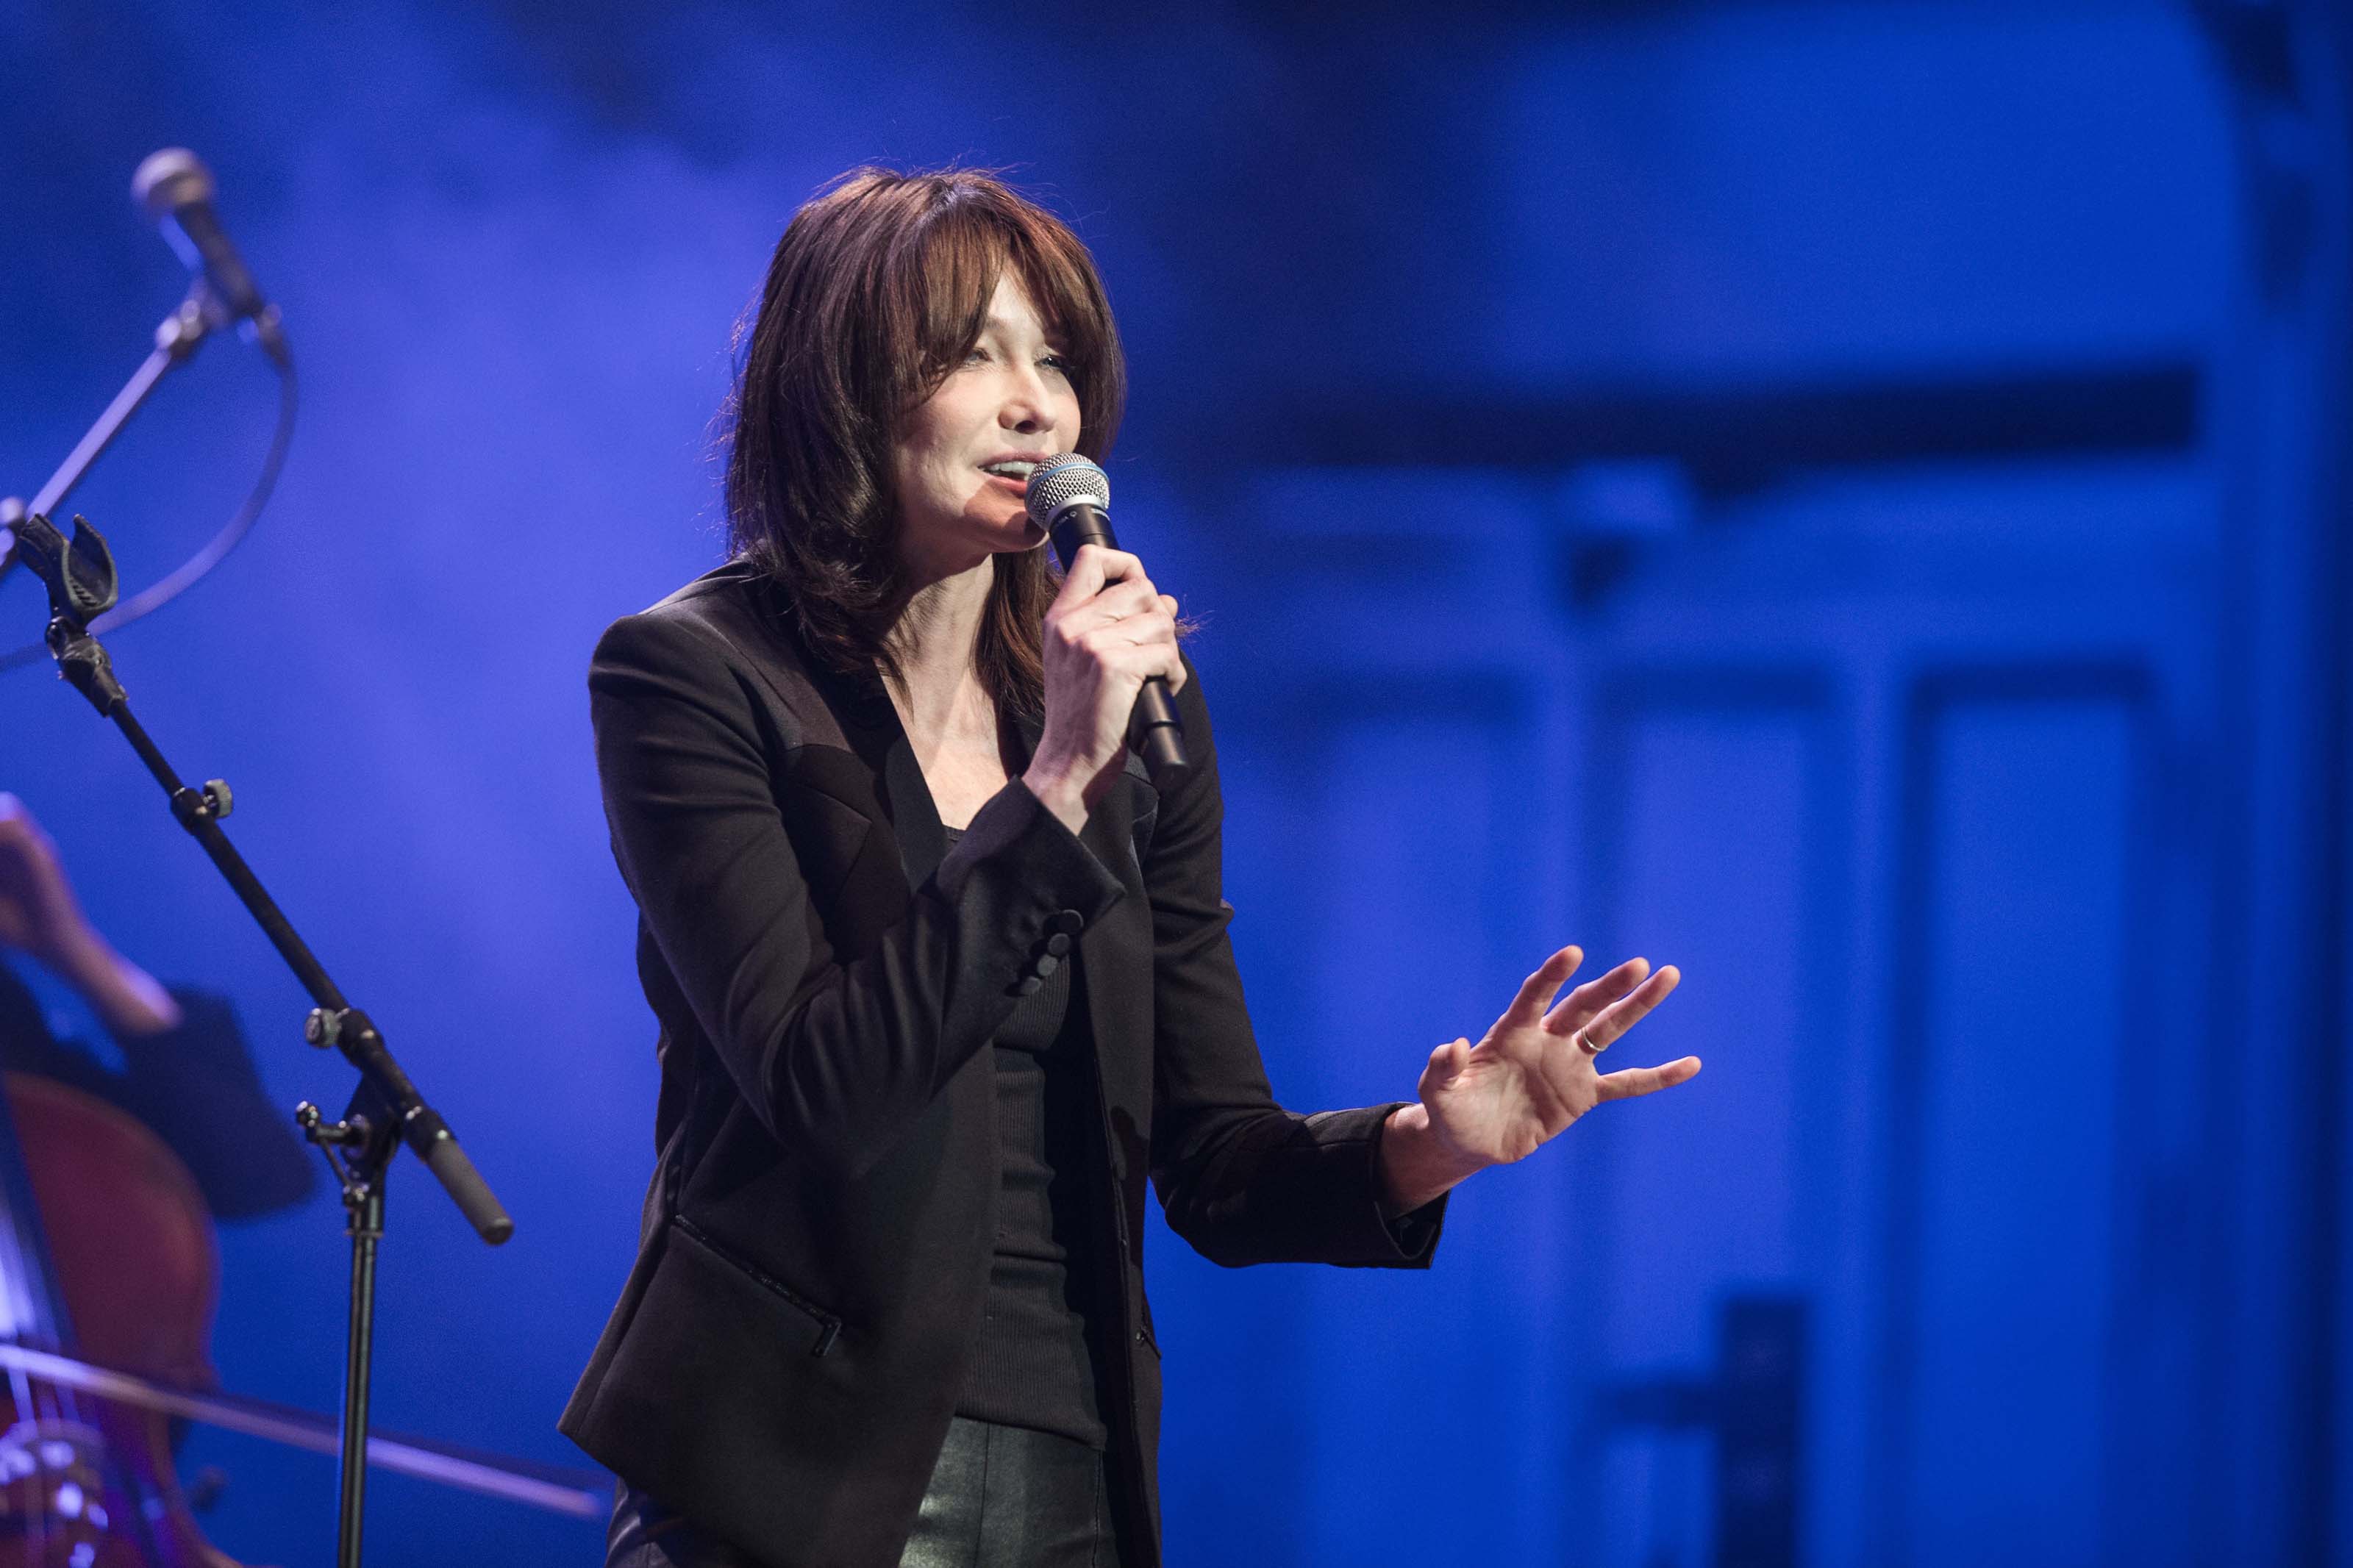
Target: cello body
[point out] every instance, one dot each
(106, 1251)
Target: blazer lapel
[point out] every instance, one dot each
(914, 819)
(1115, 954)
(871, 726)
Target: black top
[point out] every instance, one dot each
(194, 1085)
(1034, 1363)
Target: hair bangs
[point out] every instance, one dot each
(944, 274)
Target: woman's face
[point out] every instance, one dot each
(962, 462)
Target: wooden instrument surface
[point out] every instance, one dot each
(105, 1250)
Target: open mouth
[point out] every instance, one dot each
(1014, 472)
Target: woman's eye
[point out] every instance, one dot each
(976, 355)
(1057, 363)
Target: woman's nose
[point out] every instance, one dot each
(1026, 408)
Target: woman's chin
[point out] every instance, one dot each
(1003, 531)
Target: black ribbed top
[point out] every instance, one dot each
(1034, 1363)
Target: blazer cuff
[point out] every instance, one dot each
(1371, 1239)
(1414, 1233)
(1059, 878)
(1015, 819)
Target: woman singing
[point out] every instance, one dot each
(942, 977)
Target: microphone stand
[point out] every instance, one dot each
(385, 1110)
(178, 337)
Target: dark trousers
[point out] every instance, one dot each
(1000, 1497)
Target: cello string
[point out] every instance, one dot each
(24, 1313)
(35, 1309)
(33, 1300)
(29, 1413)
(135, 1508)
(15, 1300)
(23, 1485)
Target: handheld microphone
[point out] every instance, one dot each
(1070, 498)
(175, 189)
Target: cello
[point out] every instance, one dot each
(108, 1276)
(105, 1250)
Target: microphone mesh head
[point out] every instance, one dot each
(168, 180)
(1062, 483)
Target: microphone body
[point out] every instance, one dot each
(175, 189)
(1070, 499)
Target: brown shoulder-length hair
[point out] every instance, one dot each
(876, 290)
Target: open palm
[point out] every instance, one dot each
(1530, 1076)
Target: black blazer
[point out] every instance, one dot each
(783, 1363)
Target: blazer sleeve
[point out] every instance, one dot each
(836, 1054)
(1241, 1179)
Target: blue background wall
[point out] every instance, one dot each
(1842, 497)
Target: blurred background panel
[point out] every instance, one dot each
(1842, 497)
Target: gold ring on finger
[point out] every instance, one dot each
(1584, 1043)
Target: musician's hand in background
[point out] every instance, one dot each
(1525, 1082)
(40, 917)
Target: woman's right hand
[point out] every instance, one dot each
(1107, 632)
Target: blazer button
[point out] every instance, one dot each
(1066, 922)
(1058, 944)
(1045, 966)
(1139, 1336)
(1028, 986)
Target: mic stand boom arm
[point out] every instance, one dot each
(385, 1110)
(179, 336)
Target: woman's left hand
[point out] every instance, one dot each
(1534, 1072)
